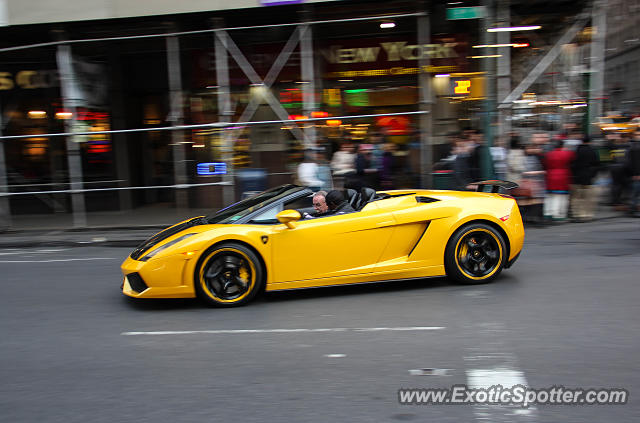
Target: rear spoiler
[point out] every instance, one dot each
(494, 185)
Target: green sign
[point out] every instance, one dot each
(455, 13)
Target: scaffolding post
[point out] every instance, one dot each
(224, 109)
(308, 79)
(426, 101)
(504, 67)
(596, 76)
(489, 69)
(5, 210)
(67, 83)
(176, 118)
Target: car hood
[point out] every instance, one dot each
(161, 236)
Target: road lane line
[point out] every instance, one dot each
(299, 330)
(59, 260)
(489, 364)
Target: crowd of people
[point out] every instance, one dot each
(561, 177)
(353, 165)
(566, 177)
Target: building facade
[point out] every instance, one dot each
(116, 105)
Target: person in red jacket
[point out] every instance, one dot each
(558, 166)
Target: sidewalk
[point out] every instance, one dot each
(118, 228)
(125, 229)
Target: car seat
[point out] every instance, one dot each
(366, 195)
(352, 196)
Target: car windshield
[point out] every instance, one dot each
(616, 119)
(621, 119)
(238, 210)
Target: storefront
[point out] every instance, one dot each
(361, 82)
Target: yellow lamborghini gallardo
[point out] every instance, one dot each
(264, 243)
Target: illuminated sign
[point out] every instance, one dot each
(391, 71)
(29, 79)
(467, 87)
(462, 87)
(476, 12)
(389, 57)
(390, 52)
(208, 169)
(332, 97)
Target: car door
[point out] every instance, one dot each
(333, 246)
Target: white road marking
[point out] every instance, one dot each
(52, 250)
(300, 330)
(59, 260)
(486, 378)
(335, 355)
(27, 252)
(491, 364)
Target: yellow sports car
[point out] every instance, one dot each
(264, 243)
(608, 124)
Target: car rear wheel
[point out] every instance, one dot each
(476, 253)
(228, 275)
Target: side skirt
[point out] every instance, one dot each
(353, 283)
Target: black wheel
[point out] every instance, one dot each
(476, 253)
(228, 275)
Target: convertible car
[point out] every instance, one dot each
(264, 243)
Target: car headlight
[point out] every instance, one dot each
(165, 246)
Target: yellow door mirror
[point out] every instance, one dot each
(288, 217)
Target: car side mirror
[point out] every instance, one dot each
(288, 217)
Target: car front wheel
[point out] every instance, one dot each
(228, 275)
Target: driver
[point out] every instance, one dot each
(319, 204)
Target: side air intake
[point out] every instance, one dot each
(421, 199)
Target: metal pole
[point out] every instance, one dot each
(176, 118)
(67, 82)
(224, 110)
(504, 66)
(426, 102)
(489, 68)
(308, 87)
(596, 76)
(5, 210)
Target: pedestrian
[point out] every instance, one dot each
(387, 168)
(557, 164)
(367, 174)
(584, 168)
(461, 172)
(309, 171)
(477, 156)
(617, 167)
(343, 163)
(499, 157)
(533, 183)
(515, 161)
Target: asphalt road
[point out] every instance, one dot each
(565, 314)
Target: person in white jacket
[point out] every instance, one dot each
(308, 171)
(343, 161)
